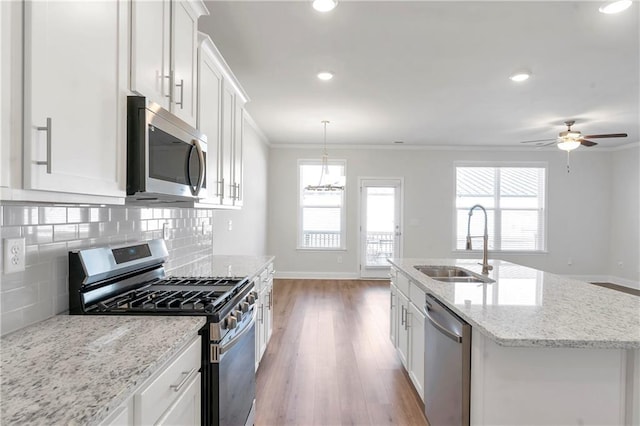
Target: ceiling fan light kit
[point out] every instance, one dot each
(568, 144)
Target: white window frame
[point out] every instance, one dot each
(477, 247)
(343, 209)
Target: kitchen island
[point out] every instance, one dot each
(545, 349)
(80, 369)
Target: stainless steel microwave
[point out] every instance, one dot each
(166, 157)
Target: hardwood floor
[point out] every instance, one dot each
(330, 360)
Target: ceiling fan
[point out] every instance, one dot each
(569, 140)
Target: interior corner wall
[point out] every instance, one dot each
(625, 215)
(248, 234)
(578, 211)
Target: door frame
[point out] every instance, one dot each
(379, 181)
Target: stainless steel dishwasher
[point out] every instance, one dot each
(447, 366)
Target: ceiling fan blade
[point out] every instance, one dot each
(610, 135)
(548, 143)
(587, 143)
(538, 140)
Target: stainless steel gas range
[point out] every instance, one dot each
(130, 280)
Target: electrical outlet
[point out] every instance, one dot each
(165, 231)
(14, 254)
(230, 225)
(339, 259)
(569, 262)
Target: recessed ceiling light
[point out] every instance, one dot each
(398, 142)
(324, 5)
(325, 75)
(615, 6)
(520, 76)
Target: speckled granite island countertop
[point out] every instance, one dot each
(77, 369)
(530, 308)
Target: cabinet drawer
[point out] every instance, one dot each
(402, 283)
(417, 295)
(154, 399)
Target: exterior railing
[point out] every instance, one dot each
(380, 246)
(322, 239)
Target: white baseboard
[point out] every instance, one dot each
(607, 279)
(318, 275)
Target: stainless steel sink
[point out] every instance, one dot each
(452, 274)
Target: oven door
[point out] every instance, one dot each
(234, 382)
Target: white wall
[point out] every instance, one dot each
(249, 225)
(625, 224)
(578, 205)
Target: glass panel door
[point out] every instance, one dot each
(380, 227)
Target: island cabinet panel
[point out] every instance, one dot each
(548, 386)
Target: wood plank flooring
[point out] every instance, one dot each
(330, 360)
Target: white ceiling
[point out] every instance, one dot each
(432, 73)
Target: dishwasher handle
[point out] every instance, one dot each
(444, 330)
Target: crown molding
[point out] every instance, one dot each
(251, 122)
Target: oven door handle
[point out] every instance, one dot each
(227, 347)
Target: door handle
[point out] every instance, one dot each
(181, 86)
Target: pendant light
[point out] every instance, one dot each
(326, 182)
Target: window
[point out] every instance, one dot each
(321, 205)
(514, 198)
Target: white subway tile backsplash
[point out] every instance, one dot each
(51, 231)
(11, 321)
(77, 214)
(38, 234)
(52, 215)
(65, 232)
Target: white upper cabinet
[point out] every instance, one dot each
(164, 43)
(150, 66)
(221, 102)
(210, 113)
(74, 132)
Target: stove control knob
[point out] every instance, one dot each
(251, 299)
(244, 306)
(231, 322)
(238, 315)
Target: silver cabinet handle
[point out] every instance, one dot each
(188, 374)
(406, 322)
(391, 300)
(170, 92)
(261, 314)
(222, 188)
(47, 129)
(181, 86)
(270, 298)
(402, 315)
(219, 188)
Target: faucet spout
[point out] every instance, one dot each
(485, 261)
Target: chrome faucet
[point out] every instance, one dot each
(485, 261)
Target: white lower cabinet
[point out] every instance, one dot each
(172, 396)
(416, 344)
(264, 321)
(406, 329)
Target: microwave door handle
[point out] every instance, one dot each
(203, 166)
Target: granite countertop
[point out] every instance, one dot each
(234, 266)
(77, 369)
(531, 308)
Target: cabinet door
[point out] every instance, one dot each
(403, 330)
(416, 344)
(237, 153)
(184, 61)
(209, 114)
(186, 409)
(226, 145)
(150, 29)
(393, 315)
(74, 128)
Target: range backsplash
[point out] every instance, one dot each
(41, 290)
